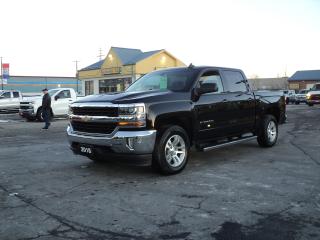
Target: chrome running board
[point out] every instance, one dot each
(205, 149)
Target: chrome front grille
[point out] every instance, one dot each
(96, 111)
(93, 127)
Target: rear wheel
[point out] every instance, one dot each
(268, 132)
(310, 104)
(171, 151)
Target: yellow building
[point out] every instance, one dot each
(121, 67)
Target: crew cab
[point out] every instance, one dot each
(10, 101)
(166, 112)
(313, 97)
(30, 108)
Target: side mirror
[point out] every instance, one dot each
(208, 88)
(56, 97)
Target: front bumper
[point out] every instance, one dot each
(313, 101)
(119, 142)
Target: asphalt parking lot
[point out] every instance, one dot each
(239, 192)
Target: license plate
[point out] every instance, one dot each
(86, 150)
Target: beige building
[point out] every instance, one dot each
(269, 83)
(121, 67)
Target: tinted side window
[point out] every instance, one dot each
(15, 94)
(6, 95)
(235, 81)
(64, 94)
(212, 77)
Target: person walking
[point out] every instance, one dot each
(46, 108)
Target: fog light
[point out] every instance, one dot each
(130, 143)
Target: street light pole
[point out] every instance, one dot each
(76, 61)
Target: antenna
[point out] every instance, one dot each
(191, 65)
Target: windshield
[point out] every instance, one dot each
(176, 80)
(53, 91)
(316, 87)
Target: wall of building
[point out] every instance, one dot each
(157, 61)
(89, 74)
(269, 83)
(298, 85)
(34, 84)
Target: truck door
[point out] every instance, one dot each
(16, 100)
(60, 102)
(5, 101)
(210, 110)
(240, 101)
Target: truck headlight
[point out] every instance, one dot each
(308, 96)
(133, 115)
(70, 111)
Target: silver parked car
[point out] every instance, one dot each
(300, 97)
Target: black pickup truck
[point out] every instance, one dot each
(166, 112)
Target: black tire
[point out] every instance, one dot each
(30, 119)
(39, 115)
(266, 138)
(96, 158)
(297, 103)
(310, 104)
(165, 135)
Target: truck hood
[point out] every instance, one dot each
(135, 97)
(32, 99)
(314, 92)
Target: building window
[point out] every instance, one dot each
(88, 87)
(113, 85)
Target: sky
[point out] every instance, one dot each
(264, 38)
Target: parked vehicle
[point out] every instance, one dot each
(289, 96)
(300, 97)
(313, 97)
(166, 112)
(10, 101)
(30, 108)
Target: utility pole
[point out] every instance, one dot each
(100, 54)
(1, 75)
(76, 61)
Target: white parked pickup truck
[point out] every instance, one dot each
(313, 97)
(10, 101)
(30, 107)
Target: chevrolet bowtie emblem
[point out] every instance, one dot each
(86, 118)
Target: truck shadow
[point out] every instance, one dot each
(141, 166)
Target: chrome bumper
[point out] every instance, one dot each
(122, 142)
(313, 101)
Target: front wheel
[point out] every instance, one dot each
(310, 104)
(268, 132)
(171, 151)
(39, 115)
